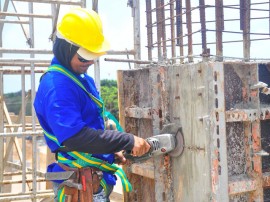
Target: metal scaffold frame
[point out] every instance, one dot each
(19, 178)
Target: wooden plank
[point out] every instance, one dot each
(134, 91)
(138, 112)
(143, 169)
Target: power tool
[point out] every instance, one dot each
(170, 141)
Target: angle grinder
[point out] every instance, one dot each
(170, 141)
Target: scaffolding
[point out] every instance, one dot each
(24, 160)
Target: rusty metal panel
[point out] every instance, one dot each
(162, 164)
(221, 117)
(265, 130)
(244, 137)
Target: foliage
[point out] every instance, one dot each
(14, 103)
(109, 83)
(109, 94)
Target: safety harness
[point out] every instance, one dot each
(81, 159)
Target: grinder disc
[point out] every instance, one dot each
(176, 130)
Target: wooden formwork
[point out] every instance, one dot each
(224, 119)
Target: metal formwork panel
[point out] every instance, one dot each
(217, 105)
(264, 76)
(189, 107)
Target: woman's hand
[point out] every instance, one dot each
(119, 158)
(140, 146)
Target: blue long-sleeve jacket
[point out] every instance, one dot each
(65, 110)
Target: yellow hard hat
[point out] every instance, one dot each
(83, 27)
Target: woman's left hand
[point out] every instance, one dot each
(119, 158)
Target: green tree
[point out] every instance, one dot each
(109, 94)
(14, 103)
(109, 83)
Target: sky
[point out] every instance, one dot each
(118, 29)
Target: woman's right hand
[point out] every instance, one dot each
(140, 146)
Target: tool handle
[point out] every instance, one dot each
(134, 159)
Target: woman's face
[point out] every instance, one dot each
(79, 65)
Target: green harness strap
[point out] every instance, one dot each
(85, 159)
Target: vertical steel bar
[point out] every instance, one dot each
(203, 29)
(219, 29)
(33, 94)
(2, 151)
(83, 3)
(1, 107)
(94, 5)
(55, 13)
(163, 27)
(97, 62)
(137, 31)
(149, 27)
(242, 14)
(172, 26)
(179, 28)
(23, 129)
(246, 31)
(159, 29)
(189, 30)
